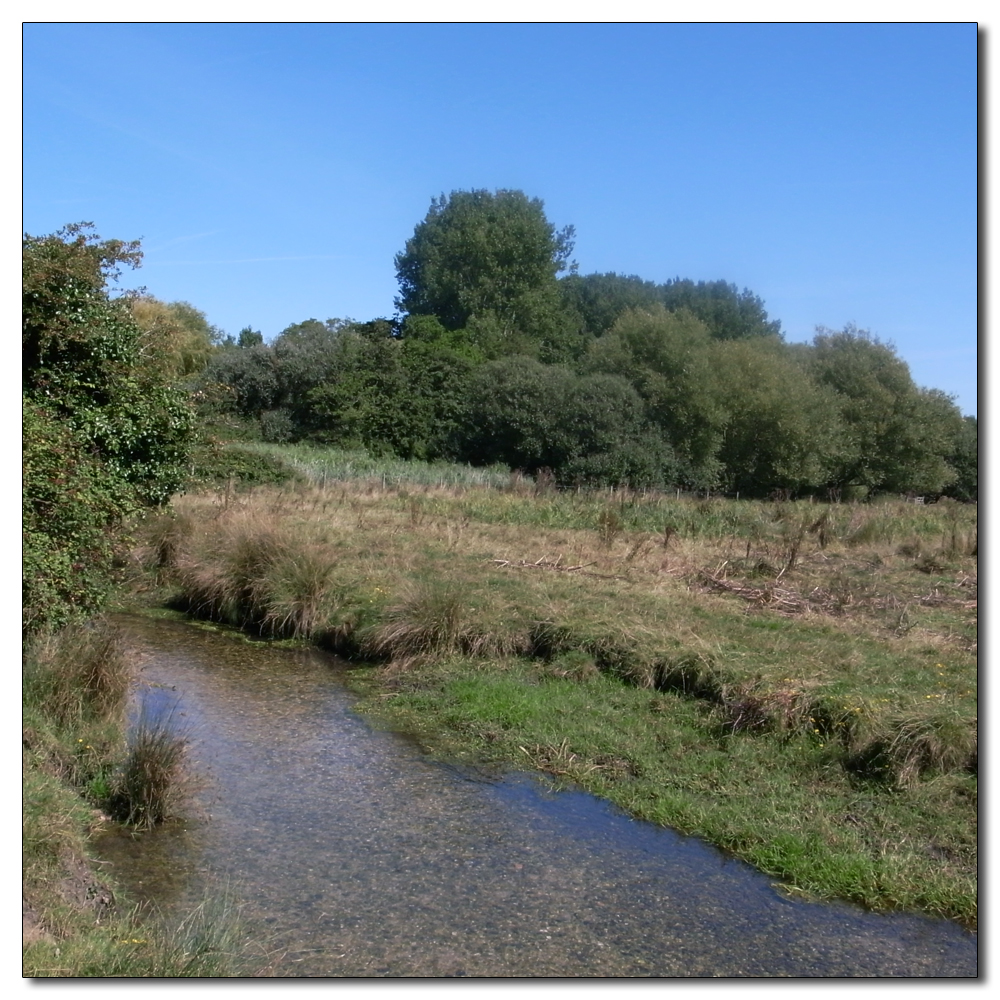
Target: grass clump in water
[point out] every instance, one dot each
(144, 787)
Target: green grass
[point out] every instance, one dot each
(322, 465)
(210, 941)
(783, 804)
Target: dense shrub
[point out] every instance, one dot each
(70, 505)
(105, 433)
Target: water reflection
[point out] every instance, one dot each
(364, 858)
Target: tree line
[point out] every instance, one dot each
(501, 352)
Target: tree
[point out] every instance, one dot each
(104, 433)
(964, 459)
(586, 429)
(305, 355)
(599, 299)
(242, 381)
(176, 336)
(666, 357)
(781, 428)
(82, 358)
(249, 337)
(377, 395)
(487, 261)
(728, 313)
(897, 436)
(512, 415)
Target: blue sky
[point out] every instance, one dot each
(273, 171)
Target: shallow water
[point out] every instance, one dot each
(357, 855)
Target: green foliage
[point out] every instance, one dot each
(600, 299)
(585, 429)
(176, 336)
(690, 383)
(666, 357)
(324, 465)
(244, 382)
(215, 463)
(70, 506)
(365, 402)
(276, 425)
(897, 437)
(728, 313)
(388, 395)
(964, 459)
(511, 415)
(487, 262)
(104, 430)
(780, 426)
(249, 337)
(82, 357)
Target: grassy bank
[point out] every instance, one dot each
(792, 681)
(82, 770)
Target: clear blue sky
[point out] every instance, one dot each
(273, 171)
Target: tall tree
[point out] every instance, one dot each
(964, 459)
(666, 356)
(599, 299)
(728, 313)
(176, 335)
(487, 261)
(781, 428)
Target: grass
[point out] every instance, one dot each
(795, 682)
(143, 788)
(324, 465)
(77, 768)
(784, 805)
(210, 941)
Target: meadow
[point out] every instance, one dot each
(793, 681)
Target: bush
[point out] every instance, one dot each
(104, 432)
(215, 463)
(70, 506)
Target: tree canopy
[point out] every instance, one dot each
(489, 261)
(499, 355)
(896, 436)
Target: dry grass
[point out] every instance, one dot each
(81, 673)
(787, 618)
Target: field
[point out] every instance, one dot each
(793, 681)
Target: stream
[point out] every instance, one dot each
(355, 854)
